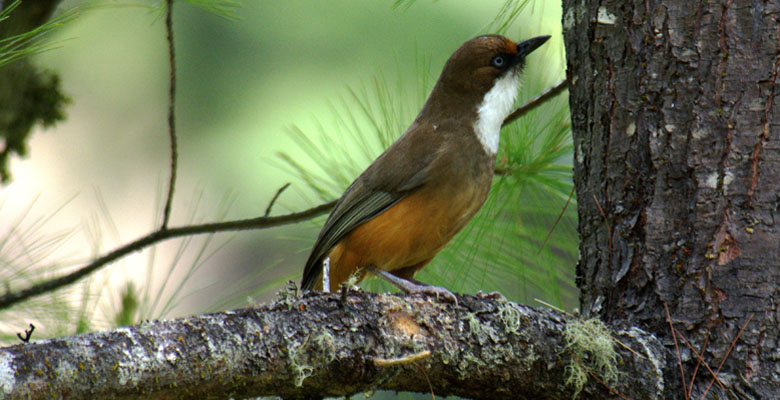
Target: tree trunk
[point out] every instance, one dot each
(677, 168)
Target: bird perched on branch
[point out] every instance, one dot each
(403, 209)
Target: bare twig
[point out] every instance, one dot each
(425, 374)
(698, 363)
(606, 222)
(727, 355)
(701, 361)
(596, 377)
(560, 215)
(27, 334)
(536, 101)
(171, 113)
(10, 299)
(382, 362)
(676, 348)
(273, 199)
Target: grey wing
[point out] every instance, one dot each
(345, 217)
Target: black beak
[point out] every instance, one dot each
(526, 47)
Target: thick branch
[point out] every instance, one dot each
(326, 345)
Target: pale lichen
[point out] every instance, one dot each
(592, 348)
(510, 316)
(312, 353)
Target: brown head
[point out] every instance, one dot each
(476, 65)
(479, 82)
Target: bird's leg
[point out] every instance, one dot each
(326, 275)
(412, 286)
(344, 293)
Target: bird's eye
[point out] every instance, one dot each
(498, 61)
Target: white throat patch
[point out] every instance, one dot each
(494, 108)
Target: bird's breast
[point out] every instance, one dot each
(417, 227)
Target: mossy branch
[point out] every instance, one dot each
(485, 348)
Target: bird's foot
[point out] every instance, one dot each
(435, 290)
(491, 296)
(413, 287)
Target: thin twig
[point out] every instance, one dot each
(727, 355)
(425, 374)
(698, 363)
(159, 235)
(606, 222)
(536, 101)
(560, 215)
(27, 334)
(273, 199)
(676, 348)
(171, 113)
(701, 361)
(599, 380)
(387, 362)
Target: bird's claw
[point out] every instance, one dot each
(412, 286)
(438, 291)
(491, 295)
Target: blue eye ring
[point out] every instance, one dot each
(498, 61)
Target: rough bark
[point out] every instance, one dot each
(323, 345)
(675, 115)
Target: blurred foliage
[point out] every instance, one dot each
(15, 46)
(23, 248)
(27, 96)
(224, 8)
(126, 315)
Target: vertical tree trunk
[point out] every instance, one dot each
(675, 113)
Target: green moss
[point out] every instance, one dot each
(590, 342)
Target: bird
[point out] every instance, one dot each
(412, 200)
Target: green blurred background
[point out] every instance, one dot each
(248, 89)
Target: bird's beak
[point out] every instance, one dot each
(526, 47)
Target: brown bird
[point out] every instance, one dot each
(403, 209)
